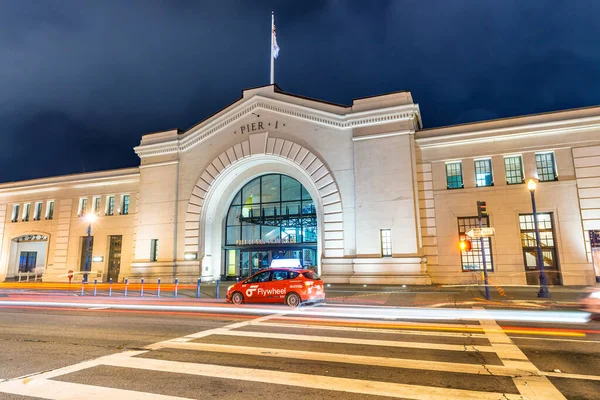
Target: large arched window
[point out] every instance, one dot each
(271, 209)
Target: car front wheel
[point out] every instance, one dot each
(292, 300)
(237, 298)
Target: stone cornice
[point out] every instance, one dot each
(524, 131)
(103, 178)
(329, 119)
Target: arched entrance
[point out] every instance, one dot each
(27, 257)
(231, 170)
(272, 217)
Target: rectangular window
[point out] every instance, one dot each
(27, 261)
(125, 204)
(454, 178)
(82, 206)
(26, 211)
(547, 244)
(545, 167)
(154, 250)
(386, 242)
(473, 260)
(50, 209)
(15, 213)
(513, 166)
(483, 173)
(110, 205)
(37, 211)
(97, 205)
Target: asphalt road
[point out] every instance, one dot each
(104, 353)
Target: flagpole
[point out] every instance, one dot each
(272, 48)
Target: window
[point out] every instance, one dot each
(483, 173)
(545, 167)
(547, 243)
(82, 206)
(513, 166)
(261, 277)
(311, 275)
(386, 242)
(271, 209)
(110, 205)
(125, 204)
(96, 205)
(15, 214)
(154, 250)
(280, 275)
(27, 261)
(50, 209)
(26, 211)
(454, 178)
(37, 211)
(473, 260)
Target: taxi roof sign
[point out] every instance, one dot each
(286, 263)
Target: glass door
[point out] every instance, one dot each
(114, 257)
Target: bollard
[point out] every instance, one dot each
(198, 289)
(217, 290)
(176, 287)
(95, 282)
(142, 288)
(110, 287)
(158, 290)
(126, 284)
(82, 282)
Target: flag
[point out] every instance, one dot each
(275, 46)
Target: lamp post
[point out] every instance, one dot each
(90, 218)
(543, 292)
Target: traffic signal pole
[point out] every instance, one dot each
(481, 211)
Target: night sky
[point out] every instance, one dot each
(81, 81)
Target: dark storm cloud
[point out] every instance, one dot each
(80, 82)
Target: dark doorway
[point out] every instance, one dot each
(549, 256)
(114, 257)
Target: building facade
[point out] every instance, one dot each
(361, 193)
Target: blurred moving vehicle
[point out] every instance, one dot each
(592, 303)
(278, 285)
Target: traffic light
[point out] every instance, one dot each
(481, 209)
(465, 245)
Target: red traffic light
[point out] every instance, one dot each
(465, 245)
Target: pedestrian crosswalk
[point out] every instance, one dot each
(279, 355)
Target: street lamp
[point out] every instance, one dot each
(543, 292)
(89, 218)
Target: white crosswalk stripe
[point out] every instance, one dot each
(529, 382)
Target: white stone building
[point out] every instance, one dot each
(362, 193)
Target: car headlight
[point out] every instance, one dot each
(595, 295)
(229, 288)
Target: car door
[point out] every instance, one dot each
(276, 289)
(255, 285)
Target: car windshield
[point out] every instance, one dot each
(311, 275)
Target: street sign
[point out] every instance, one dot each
(480, 232)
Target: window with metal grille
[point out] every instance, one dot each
(110, 205)
(50, 209)
(26, 211)
(483, 173)
(514, 170)
(473, 260)
(454, 179)
(154, 250)
(15, 214)
(82, 206)
(37, 212)
(97, 205)
(125, 204)
(386, 242)
(545, 167)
